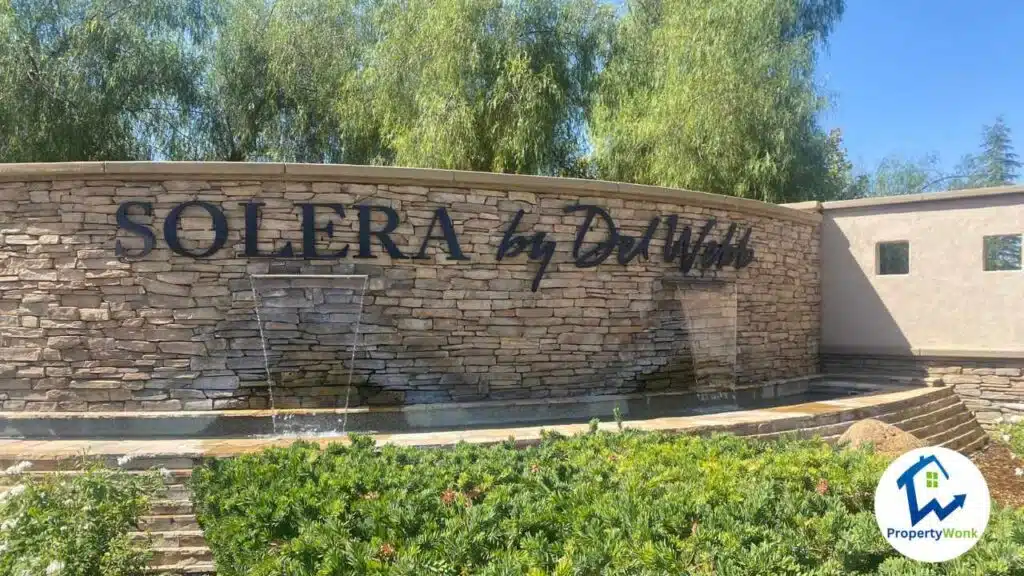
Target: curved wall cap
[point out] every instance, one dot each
(393, 176)
(880, 201)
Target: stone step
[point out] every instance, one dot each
(975, 437)
(924, 420)
(929, 430)
(185, 569)
(163, 556)
(803, 426)
(962, 437)
(172, 539)
(921, 410)
(937, 411)
(170, 507)
(894, 416)
(179, 477)
(979, 442)
(173, 496)
(969, 438)
(168, 522)
(942, 435)
(124, 462)
(176, 492)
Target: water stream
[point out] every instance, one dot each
(277, 420)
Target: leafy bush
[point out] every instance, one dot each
(601, 503)
(1012, 433)
(74, 524)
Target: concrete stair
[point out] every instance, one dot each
(169, 529)
(172, 531)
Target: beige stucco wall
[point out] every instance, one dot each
(947, 303)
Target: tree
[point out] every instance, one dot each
(897, 175)
(706, 94)
(95, 79)
(841, 183)
(999, 163)
(716, 95)
(287, 81)
(996, 165)
(487, 84)
(465, 84)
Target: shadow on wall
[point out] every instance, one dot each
(687, 343)
(668, 334)
(853, 305)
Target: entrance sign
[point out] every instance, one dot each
(690, 251)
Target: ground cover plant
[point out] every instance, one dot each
(600, 503)
(73, 525)
(1011, 432)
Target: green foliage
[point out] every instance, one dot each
(897, 175)
(74, 525)
(708, 95)
(598, 503)
(287, 81)
(1012, 433)
(485, 84)
(95, 79)
(841, 182)
(995, 165)
(719, 96)
(463, 84)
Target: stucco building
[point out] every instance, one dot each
(928, 286)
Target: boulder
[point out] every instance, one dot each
(887, 439)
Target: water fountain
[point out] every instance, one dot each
(318, 315)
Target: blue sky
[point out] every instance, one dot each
(911, 77)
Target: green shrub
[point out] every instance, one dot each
(74, 524)
(600, 503)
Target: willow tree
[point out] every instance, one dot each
(287, 83)
(95, 79)
(487, 84)
(717, 95)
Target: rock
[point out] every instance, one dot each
(94, 314)
(887, 439)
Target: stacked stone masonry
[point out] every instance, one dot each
(992, 388)
(80, 329)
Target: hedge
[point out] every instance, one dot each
(600, 503)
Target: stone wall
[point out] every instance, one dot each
(991, 387)
(81, 329)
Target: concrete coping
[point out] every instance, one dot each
(816, 379)
(922, 352)
(148, 171)
(764, 419)
(882, 201)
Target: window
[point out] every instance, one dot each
(932, 479)
(1002, 252)
(894, 258)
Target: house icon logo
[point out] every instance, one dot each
(906, 482)
(932, 504)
